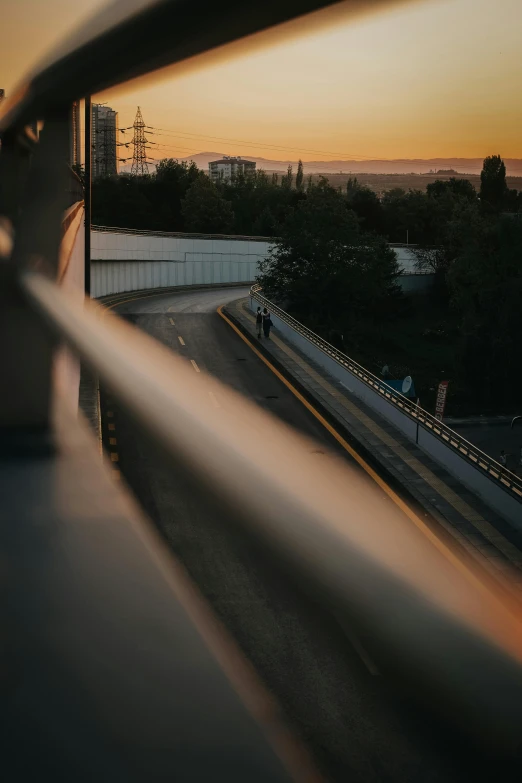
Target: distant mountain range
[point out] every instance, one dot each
(397, 166)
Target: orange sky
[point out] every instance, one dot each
(428, 79)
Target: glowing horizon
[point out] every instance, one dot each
(425, 80)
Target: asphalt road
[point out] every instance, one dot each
(358, 726)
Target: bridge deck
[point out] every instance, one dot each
(439, 498)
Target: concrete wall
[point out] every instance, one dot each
(496, 497)
(127, 262)
(122, 262)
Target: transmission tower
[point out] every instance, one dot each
(139, 158)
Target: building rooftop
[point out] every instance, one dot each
(232, 160)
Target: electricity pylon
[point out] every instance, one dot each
(139, 158)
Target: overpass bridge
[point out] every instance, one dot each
(282, 618)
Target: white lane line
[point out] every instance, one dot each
(172, 321)
(214, 400)
(195, 366)
(182, 341)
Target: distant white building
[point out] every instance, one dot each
(229, 167)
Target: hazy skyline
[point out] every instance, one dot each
(429, 79)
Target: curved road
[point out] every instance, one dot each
(357, 726)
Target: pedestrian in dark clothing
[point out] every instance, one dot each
(267, 323)
(259, 322)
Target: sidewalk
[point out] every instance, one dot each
(481, 532)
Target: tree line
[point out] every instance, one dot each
(180, 197)
(332, 266)
(334, 270)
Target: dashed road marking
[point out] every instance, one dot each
(172, 321)
(195, 366)
(112, 427)
(180, 338)
(112, 441)
(114, 456)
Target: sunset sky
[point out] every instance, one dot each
(431, 78)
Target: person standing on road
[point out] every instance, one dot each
(259, 322)
(267, 323)
(503, 458)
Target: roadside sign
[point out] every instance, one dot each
(441, 399)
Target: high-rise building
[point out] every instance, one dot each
(229, 167)
(104, 133)
(75, 151)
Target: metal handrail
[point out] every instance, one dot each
(158, 32)
(490, 467)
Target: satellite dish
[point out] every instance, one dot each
(406, 384)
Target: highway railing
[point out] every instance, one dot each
(100, 661)
(481, 461)
(181, 234)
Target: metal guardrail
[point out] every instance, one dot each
(487, 465)
(180, 234)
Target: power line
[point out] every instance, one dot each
(279, 148)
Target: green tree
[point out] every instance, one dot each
(205, 210)
(367, 206)
(325, 270)
(352, 186)
(287, 179)
(461, 188)
(266, 224)
(493, 186)
(486, 287)
(299, 177)
(408, 216)
(123, 201)
(167, 189)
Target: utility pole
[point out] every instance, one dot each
(87, 197)
(139, 158)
